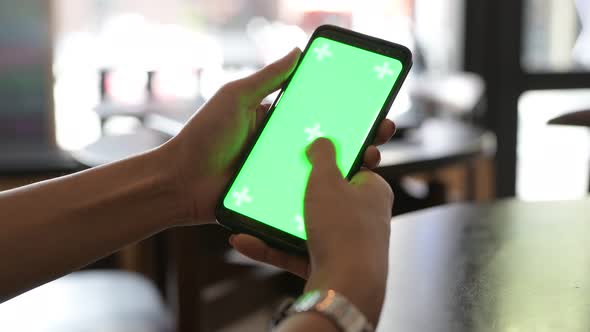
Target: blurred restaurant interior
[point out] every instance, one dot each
(88, 82)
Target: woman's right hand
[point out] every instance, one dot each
(347, 227)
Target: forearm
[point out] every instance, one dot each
(54, 227)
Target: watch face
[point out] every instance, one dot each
(307, 301)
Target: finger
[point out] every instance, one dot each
(261, 111)
(269, 79)
(322, 156)
(367, 178)
(263, 108)
(385, 131)
(256, 249)
(371, 183)
(372, 157)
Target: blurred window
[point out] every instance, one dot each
(556, 36)
(552, 161)
(201, 44)
(206, 33)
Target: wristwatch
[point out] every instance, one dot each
(332, 305)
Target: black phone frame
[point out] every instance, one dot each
(239, 223)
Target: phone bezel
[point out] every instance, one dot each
(238, 222)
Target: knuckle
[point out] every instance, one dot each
(371, 178)
(231, 89)
(278, 259)
(380, 186)
(236, 92)
(385, 187)
(267, 256)
(228, 87)
(323, 174)
(313, 193)
(273, 68)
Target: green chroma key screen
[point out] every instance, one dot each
(337, 92)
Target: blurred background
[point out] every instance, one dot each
(115, 60)
(97, 80)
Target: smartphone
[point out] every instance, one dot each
(341, 89)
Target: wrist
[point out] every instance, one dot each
(167, 181)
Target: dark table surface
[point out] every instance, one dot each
(437, 143)
(508, 266)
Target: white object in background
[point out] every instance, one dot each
(172, 84)
(76, 94)
(275, 39)
(582, 48)
(438, 29)
(553, 161)
(212, 79)
(89, 301)
(459, 92)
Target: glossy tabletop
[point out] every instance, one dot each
(507, 266)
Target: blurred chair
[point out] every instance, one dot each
(91, 301)
(579, 118)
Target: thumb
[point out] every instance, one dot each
(322, 156)
(269, 79)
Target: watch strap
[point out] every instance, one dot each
(332, 305)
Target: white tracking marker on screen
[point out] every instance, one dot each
(322, 52)
(300, 223)
(242, 196)
(314, 132)
(383, 70)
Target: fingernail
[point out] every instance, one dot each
(292, 52)
(394, 127)
(231, 239)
